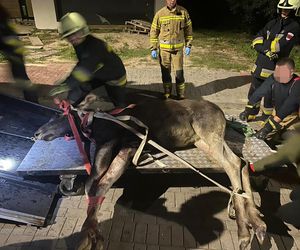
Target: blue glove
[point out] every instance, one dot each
(154, 54)
(187, 51)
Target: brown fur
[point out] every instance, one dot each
(172, 124)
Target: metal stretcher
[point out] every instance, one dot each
(20, 119)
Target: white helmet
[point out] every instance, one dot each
(72, 22)
(290, 5)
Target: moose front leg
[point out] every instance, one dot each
(102, 161)
(91, 237)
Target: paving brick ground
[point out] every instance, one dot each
(173, 217)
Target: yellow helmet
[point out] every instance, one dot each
(290, 5)
(72, 22)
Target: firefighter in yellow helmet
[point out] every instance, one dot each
(171, 32)
(273, 42)
(13, 50)
(97, 63)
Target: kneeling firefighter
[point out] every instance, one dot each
(98, 65)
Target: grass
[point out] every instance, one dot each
(223, 50)
(126, 53)
(227, 50)
(66, 53)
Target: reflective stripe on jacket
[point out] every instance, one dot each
(279, 36)
(171, 29)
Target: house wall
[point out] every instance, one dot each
(12, 7)
(44, 14)
(115, 12)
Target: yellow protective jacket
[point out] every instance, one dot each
(171, 29)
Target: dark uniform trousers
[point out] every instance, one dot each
(167, 59)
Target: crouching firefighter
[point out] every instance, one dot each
(274, 41)
(283, 88)
(97, 64)
(171, 31)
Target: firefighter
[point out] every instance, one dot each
(288, 153)
(273, 42)
(13, 51)
(97, 64)
(171, 32)
(283, 88)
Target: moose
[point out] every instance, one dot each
(172, 124)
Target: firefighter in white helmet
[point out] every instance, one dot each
(97, 63)
(274, 41)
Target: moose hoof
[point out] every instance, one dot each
(244, 242)
(231, 212)
(91, 240)
(260, 233)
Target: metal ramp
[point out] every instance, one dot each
(21, 200)
(42, 159)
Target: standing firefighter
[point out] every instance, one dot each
(13, 50)
(171, 30)
(97, 64)
(274, 41)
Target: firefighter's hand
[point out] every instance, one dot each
(262, 133)
(154, 54)
(187, 51)
(59, 89)
(272, 56)
(270, 125)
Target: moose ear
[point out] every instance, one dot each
(87, 102)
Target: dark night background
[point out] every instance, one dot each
(244, 15)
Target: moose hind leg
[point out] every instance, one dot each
(257, 224)
(218, 151)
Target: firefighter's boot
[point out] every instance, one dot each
(167, 90)
(266, 113)
(180, 90)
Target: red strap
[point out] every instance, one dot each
(297, 78)
(87, 164)
(95, 200)
(251, 166)
(66, 107)
(119, 110)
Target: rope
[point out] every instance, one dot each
(16, 135)
(119, 120)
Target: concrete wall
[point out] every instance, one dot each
(44, 14)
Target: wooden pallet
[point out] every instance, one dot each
(137, 26)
